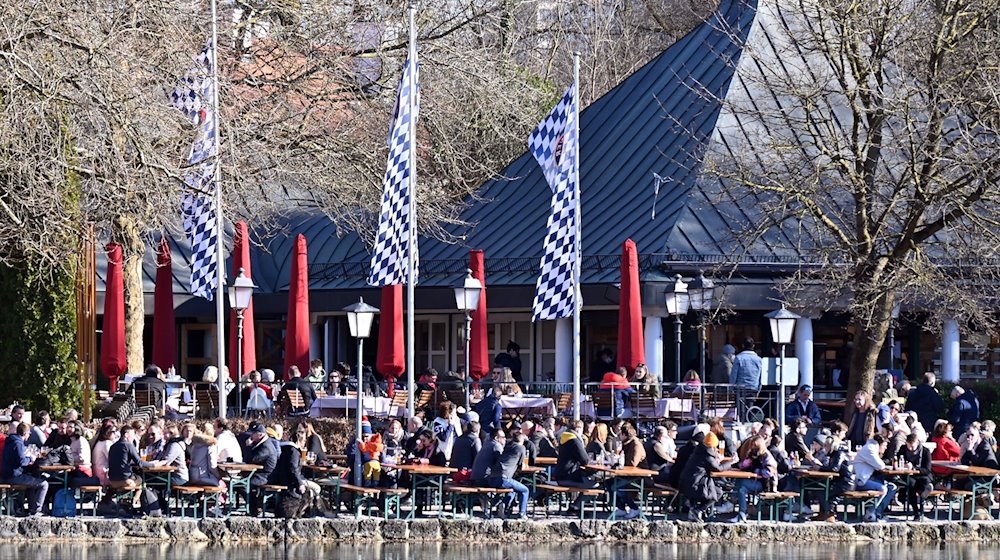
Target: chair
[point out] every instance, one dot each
(258, 405)
(563, 401)
(398, 403)
(604, 403)
(206, 402)
(145, 397)
(644, 406)
(293, 404)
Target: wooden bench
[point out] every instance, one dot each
(955, 500)
(366, 496)
(862, 500)
(468, 496)
(562, 493)
(11, 493)
(96, 490)
(197, 495)
(662, 496)
(774, 502)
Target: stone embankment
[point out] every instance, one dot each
(346, 529)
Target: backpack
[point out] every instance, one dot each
(150, 503)
(64, 503)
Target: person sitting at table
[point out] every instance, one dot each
(426, 450)
(305, 388)
(919, 486)
(428, 380)
(696, 482)
(228, 445)
(570, 465)
(838, 453)
(105, 439)
(503, 471)
(867, 464)
(204, 457)
(690, 385)
(776, 447)
(507, 385)
(684, 454)
(154, 442)
(259, 451)
(803, 407)
(617, 382)
(661, 450)
(543, 437)
(467, 447)
(314, 443)
(634, 454)
(152, 382)
(446, 427)
(487, 457)
(947, 448)
(527, 428)
(288, 473)
(976, 451)
(795, 443)
(895, 438)
(644, 382)
(175, 454)
(490, 413)
(598, 446)
(760, 462)
(15, 459)
(79, 456)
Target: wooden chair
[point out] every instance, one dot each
(424, 399)
(293, 404)
(564, 401)
(399, 398)
(644, 406)
(206, 402)
(604, 404)
(150, 398)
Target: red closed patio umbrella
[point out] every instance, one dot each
(297, 327)
(241, 259)
(164, 326)
(391, 358)
(631, 350)
(113, 361)
(479, 359)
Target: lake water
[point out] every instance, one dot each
(563, 551)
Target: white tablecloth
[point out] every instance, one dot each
(337, 405)
(663, 408)
(523, 405)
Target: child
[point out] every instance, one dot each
(371, 452)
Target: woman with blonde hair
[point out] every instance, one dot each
(645, 382)
(508, 385)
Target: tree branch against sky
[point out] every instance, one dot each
(871, 147)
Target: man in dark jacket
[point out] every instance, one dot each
(123, 458)
(926, 402)
(296, 381)
(467, 446)
(684, 455)
(288, 473)
(153, 383)
(504, 468)
(572, 459)
(696, 481)
(803, 406)
(259, 451)
(15, 459)
(965, 410)
(490, 413)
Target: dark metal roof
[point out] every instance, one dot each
(658, 120)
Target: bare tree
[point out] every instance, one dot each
(860, 138)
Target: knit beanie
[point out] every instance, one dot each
(711, 440)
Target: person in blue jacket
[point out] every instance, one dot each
(803, 406)
(965, 410)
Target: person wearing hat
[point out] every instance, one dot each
(511, 359)
(684, 453)
(803, 406)
(259, 451)
(724, 365)
(696, 480)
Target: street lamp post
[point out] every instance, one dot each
(359, 319)
(467, 300)
(701, 292)
(782, 328)
(240, 293)
(677, 306)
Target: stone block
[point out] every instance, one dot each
(663, 531)
(151, 528)
(35, 527)
(421, 529)
(395, 530)
(958, 531)
(215, 530)
(311, 529)
(926, 532)
(184, 530)
(591, 529)
(688, 531)
(68, 528)
(341, 528)
(105, 529)
(632, 530)
(9, 527)
(369, 529)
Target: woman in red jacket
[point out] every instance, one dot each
(947, 448)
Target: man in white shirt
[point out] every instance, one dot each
(867, 463)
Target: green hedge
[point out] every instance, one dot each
(37, 337)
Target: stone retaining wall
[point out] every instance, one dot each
(319, 530)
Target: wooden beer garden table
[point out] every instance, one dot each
(429, 477)
(239, 478)
(635, 479)
(980, 478)
(811, 478)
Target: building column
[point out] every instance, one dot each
(564, 352)
(950, 351)
(804, 349)
(653, 333)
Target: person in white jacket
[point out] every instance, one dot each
(867, 464)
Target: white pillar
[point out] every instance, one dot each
(804, 349)
(653, 334)
(950, 345)
(564, 350)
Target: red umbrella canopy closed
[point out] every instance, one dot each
(631, 350)
(391, 358)
(479, 359)
(164, 326)
(297, 328)
(241, 259)
(113, 361)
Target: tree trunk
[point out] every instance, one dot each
(133, 249)
(869, 337)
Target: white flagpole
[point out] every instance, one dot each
(220, 312)
(579, 243)
(412, 218)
